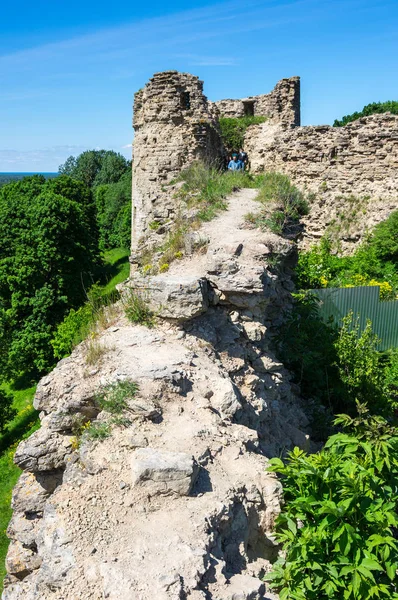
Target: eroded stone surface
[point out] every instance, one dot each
(163, 472)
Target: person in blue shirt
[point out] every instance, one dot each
(235, 164)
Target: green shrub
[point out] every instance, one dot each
(73, 330)
(369, 109)
(375, 262)
(113, 396)
(336, 367)
(283, 203)
(233, 130)
(7, 412)
(339, 519)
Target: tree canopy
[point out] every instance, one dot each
(370, 109)
(48, 250)
(95, 167)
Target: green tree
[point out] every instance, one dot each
(113, 202)
(370, 109)
(48, 250)
(95, 167)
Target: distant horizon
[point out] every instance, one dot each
(81, 96)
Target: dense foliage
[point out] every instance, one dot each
(233, 130)
(109, 175)
(283, 205)
(95, 167)
(336, 367)
(6, 410)
(370, 109)
(375, 262)
(113, 202)
(339, 520)
(48, 251)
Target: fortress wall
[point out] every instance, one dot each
(173, 127)
(282, 105)
(360, 159)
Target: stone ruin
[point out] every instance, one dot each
(175, 125)
(282, 105)
(350, 172)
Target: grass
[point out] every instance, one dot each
(26, 421)
(113, 396)
(22, 426)
(283, 205)
(137, 310)
(203, 194)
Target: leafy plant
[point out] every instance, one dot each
(375, 262)
(361, 367)
(233, 130)
(113, 397)
(335, 367)
(339, 519)
(96, 431)
(137, 309)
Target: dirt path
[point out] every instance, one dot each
(226, 227)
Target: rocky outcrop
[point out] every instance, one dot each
(350, 172)
(176, 502)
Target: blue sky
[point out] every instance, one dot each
(68, 70)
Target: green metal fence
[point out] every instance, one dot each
(364, 302)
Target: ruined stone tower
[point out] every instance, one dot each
(173, 126)
(281, 106)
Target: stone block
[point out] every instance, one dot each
(163, 472)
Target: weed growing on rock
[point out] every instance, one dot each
(137, 309)
(113, 397)
(283, 205)
(97, 431)
(94, 350)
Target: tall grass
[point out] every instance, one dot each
(283, 204)
(206, 188)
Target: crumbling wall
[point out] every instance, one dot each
(282, 105)
(351, 171)
(173, 127)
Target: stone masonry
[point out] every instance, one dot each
(282, 105)
(174, 127)
(351, 172)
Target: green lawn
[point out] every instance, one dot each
(26, 421)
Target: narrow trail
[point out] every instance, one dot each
(225, 228)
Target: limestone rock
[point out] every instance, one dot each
(163, 472)
(179, 298)
(43, 451)
(21, 561)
